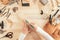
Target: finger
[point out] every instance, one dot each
(33, 25)
(25, 29)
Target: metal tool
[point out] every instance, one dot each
(3, 9)
(7, 14)
(50, 19)
(13, 1)
(2, 25)
(8, 35)
(56, 13)
(41, 12)
(24, 4)
(44, 2)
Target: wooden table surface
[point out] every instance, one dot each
(53, 30)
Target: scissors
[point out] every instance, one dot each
(9, 35)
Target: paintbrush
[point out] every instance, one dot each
(30, 26)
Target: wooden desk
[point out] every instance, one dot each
(54, 31)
